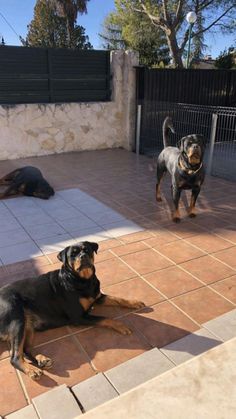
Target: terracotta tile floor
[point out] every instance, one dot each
(185, 273)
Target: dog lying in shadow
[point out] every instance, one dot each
(27, 181)
(58, 298)
(185, 165)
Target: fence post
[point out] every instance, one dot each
(138, 126)
(212, 142)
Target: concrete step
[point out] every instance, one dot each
(203, 387)
(141, 370)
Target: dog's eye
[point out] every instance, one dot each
(74, 252)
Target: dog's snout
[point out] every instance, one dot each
(84, 257)
(196, 146)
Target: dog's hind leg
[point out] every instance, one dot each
(191, 210)
(9, 177)
(176, 197)
(11, 190)
(161, 170)
(17, 341)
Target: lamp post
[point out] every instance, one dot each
(191, 19)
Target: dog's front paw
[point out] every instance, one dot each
(121, 328)
(159, 198)
(176, 219)
(124, 330)
(137, 304)
(44, 362)
(33, 372)
(192, 215)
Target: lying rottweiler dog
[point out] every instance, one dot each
(184, 165)
(55, 299)
(28, 181)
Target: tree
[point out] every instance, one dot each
(112, 34)
(125, 29)
(226, 59)
(169, 17)
(48, 29)
(69, 10)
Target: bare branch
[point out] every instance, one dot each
(205, 4)
(156, 20)
(166, 16)
(213, 23)
(179, 11)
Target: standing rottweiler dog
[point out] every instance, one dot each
(28, 181)
(55, 299)
(184, 165)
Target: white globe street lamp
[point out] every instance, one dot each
(191, 18)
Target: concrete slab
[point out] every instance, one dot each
(200, 388)
(191, 345)
(57, 403)
(94, 391)
(27, 412)
(138, 370)
(223, 326)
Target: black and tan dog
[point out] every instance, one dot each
(184, 165)
(58, 298)
(28, 181)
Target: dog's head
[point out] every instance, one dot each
(192, 146)
(38, 189)
(43, 190)
(79, 258)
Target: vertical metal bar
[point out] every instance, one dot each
(138, 126)
(50, 75)
(212, 142)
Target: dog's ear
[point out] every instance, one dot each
(94, 246)
(62, 256)
(202, 140)
(180, 144)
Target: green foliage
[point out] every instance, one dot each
(124, 29)
(50, 29)
(226, 59)
(169, 16)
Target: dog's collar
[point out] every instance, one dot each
(191, 171)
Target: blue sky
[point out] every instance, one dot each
(20, 12)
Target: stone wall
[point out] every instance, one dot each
(41, 129)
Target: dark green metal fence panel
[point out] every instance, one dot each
(31, 75)
(194, 86)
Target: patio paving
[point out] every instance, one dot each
(185, 273)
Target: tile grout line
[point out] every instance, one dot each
(198, 279)
(170, 300)
(23, 387)
(79, 346)
(110, 382)
(141, 276)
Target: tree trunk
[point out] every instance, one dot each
(174, 50)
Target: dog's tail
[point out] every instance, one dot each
(167, 127)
